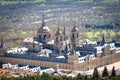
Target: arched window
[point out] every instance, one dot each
(44, 36)
(39, 36)
(73, 35)
(56, 38)
(33, 45)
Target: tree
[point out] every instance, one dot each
(56, 77)
(46, 76)
(105, 72)
(86, 77)
(95, 73)
(66, 78)
(80, 77)
(113, 72)
(0, 64)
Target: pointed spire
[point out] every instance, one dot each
(75, 27)
(43, 21)
(64, 33)
(64, 26)
(2, 42)
(74, 24)
(58, 29)
(2, 39)
(58, 26)
(103, 40)
(66, 48)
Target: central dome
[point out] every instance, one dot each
(46, 28)
(74, 29)
(58, 33)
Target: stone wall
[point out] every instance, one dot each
(98, 62)
(36, 63)
(78, 66)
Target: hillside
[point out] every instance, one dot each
(22, 18)
(9, 2)
(85, 13)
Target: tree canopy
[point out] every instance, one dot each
(105, 72)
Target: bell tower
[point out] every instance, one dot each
(59, 38)
(74, 36)
(2, 47)
(43, 34)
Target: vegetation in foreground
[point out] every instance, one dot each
(45, 76)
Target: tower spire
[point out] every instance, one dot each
(58, 26)
(103, 40)
(58, 30)
(2, 42)
(64, 33)
(74, 24)
(75, 27)
(66, 48)
(43, 21)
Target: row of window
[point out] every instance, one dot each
(73, 35)
(58, 39)
(24, 56)
(44, 37)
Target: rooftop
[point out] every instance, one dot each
(31, 40)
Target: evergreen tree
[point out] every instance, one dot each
(95, 73)
(46, 76)
(64, 78)
(0, 64)
(113, 72)
(105, 72)
(86, 77)
(80, 77)
(56, 77)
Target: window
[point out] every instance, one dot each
(33, 45)
(44, 36)
(73, 35)
(56, 38)
(39, 36)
